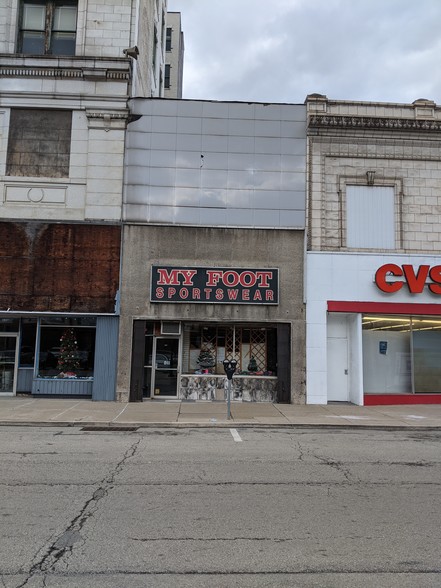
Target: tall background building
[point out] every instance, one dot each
(174, 56)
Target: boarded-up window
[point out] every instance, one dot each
(39, 143)
(370, 217)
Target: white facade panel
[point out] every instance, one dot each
(370, 217)
(340, 277)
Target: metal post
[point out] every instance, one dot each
(229, 400)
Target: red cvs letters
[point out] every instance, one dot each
(414, 279)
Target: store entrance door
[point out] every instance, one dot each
(338, 386)
(165, 367)
(8, 354)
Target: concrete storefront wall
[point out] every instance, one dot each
(144, 246)
(348, 278)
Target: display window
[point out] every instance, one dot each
(401, 354)
(206, 346)
(66, 347)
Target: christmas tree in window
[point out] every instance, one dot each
(68, 360)
(206, 359)
(252, 366)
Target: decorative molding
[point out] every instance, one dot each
(65, 73)
(371, 122)
(104, 119)
(28, 194)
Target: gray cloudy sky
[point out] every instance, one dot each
(282, 50)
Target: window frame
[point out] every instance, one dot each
(49, 32)
(167, 76)
(168, 39)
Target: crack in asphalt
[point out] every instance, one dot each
(213, 539)
(66, 541)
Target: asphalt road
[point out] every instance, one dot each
(219, 507)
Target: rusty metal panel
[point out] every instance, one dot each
(59, 267)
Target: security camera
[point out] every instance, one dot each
(131, 52)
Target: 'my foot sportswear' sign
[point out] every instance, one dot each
(214, 285)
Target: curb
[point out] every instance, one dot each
(129, 427)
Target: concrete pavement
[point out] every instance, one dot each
(23, 410)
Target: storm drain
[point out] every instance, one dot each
(110, 429)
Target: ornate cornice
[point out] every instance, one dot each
(372, 122)
(101, 74)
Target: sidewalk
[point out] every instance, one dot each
(66, 412)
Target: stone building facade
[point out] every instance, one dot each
(374, 202)
(67, 71)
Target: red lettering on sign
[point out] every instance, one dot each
(219, 294)
(416, 282)
(196, 294)
(269, 295)
(230, 282)
(247, 279)
(381, 274)
(245, 294)
(166, 279)
(183, 293)
(263, 277)
(213, 277)
(257, 295)
(188, 276)
(159, 292)
(435, 276)
(207, 293)
(232, 294)
(171, 292)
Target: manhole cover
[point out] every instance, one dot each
(109, 429)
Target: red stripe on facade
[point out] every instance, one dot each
(384, 307)
(392, 399)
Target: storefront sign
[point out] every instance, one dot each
(219, 285)
(391, 278)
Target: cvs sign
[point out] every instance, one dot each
(414, 279)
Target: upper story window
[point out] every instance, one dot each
(370, 217)
(167, 76)
(48, 27)
(168, 39)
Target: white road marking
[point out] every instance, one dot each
(414, 416)
(347, 416)
(119, 414)
(67, 409)
(236, 435)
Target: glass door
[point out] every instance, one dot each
(8, 353)
(165, 367)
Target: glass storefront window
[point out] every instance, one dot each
(9, 325)
(66, 351)
(206, 346)
(387, 355)
(28, 337)
(401, 354)
(426, 338)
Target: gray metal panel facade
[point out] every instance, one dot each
(60, 387)
(106, 348)
(216, 164)
(24, 379)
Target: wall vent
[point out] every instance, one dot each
(170, 328)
